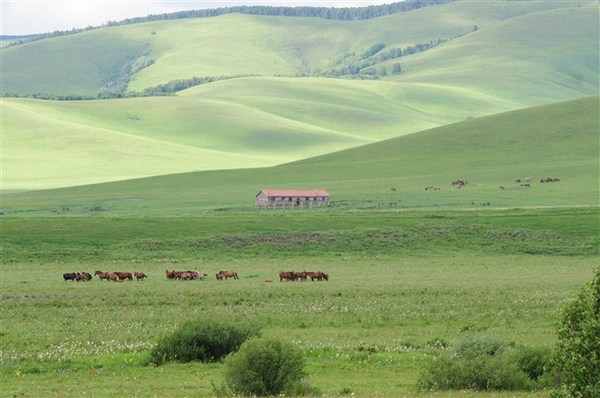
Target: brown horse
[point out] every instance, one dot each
(124, 275)
(101, 275)
(301, 275)
(140, 276)
(320, 276)
(229, 274)
(286, 275)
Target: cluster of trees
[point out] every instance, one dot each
(342, 13)
(352, 64)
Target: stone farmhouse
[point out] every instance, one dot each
(292, 198)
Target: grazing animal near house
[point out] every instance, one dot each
(320, 276)
(101, 275)
(124, 275)
(549, 179)
(287, 275)
(70, 276)
(140, 276)
(229, 274)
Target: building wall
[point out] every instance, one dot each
(262, 200)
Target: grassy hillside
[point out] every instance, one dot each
(92, 61)
(559, 140)
(250, 122)
(517, 56)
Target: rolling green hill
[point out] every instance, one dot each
(558, 140)
(154, 53)
(494, 57)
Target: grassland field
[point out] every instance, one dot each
(403, 286)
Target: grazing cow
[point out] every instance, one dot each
(320, 276)
(220, 276)
(140, 276)
(288, 276)
(101, 275)
(501, 187)
(70, 276)
(229, 274)
(549, 179)
(124, 275)
(459, 183)
(393, 189)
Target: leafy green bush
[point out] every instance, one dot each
(201, 341)
(577, 356)
(533, 361)
(475, 362)
(265, 367)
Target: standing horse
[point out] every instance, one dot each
(229, 274)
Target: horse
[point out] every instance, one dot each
(101, 275)
(320, 276)
(288, 276)
(124, 275)
(170, 274)
(140, 276)
(300, 275)
(70, 276)
(229, 274)
(113, 277)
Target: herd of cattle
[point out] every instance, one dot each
(522, 182)
(187, 276)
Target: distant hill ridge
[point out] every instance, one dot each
(336, 13)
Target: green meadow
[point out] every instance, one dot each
(411, 271)
(498, 94)
(403, 286)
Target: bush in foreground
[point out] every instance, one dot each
(203, 341)
(577, 356)
(485, 363)
(265, 367)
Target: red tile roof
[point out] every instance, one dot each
(294, 192)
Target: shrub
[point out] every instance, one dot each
(265, 367)
(201, 341)
(475, 362)
(577, 356)
(533, 361)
